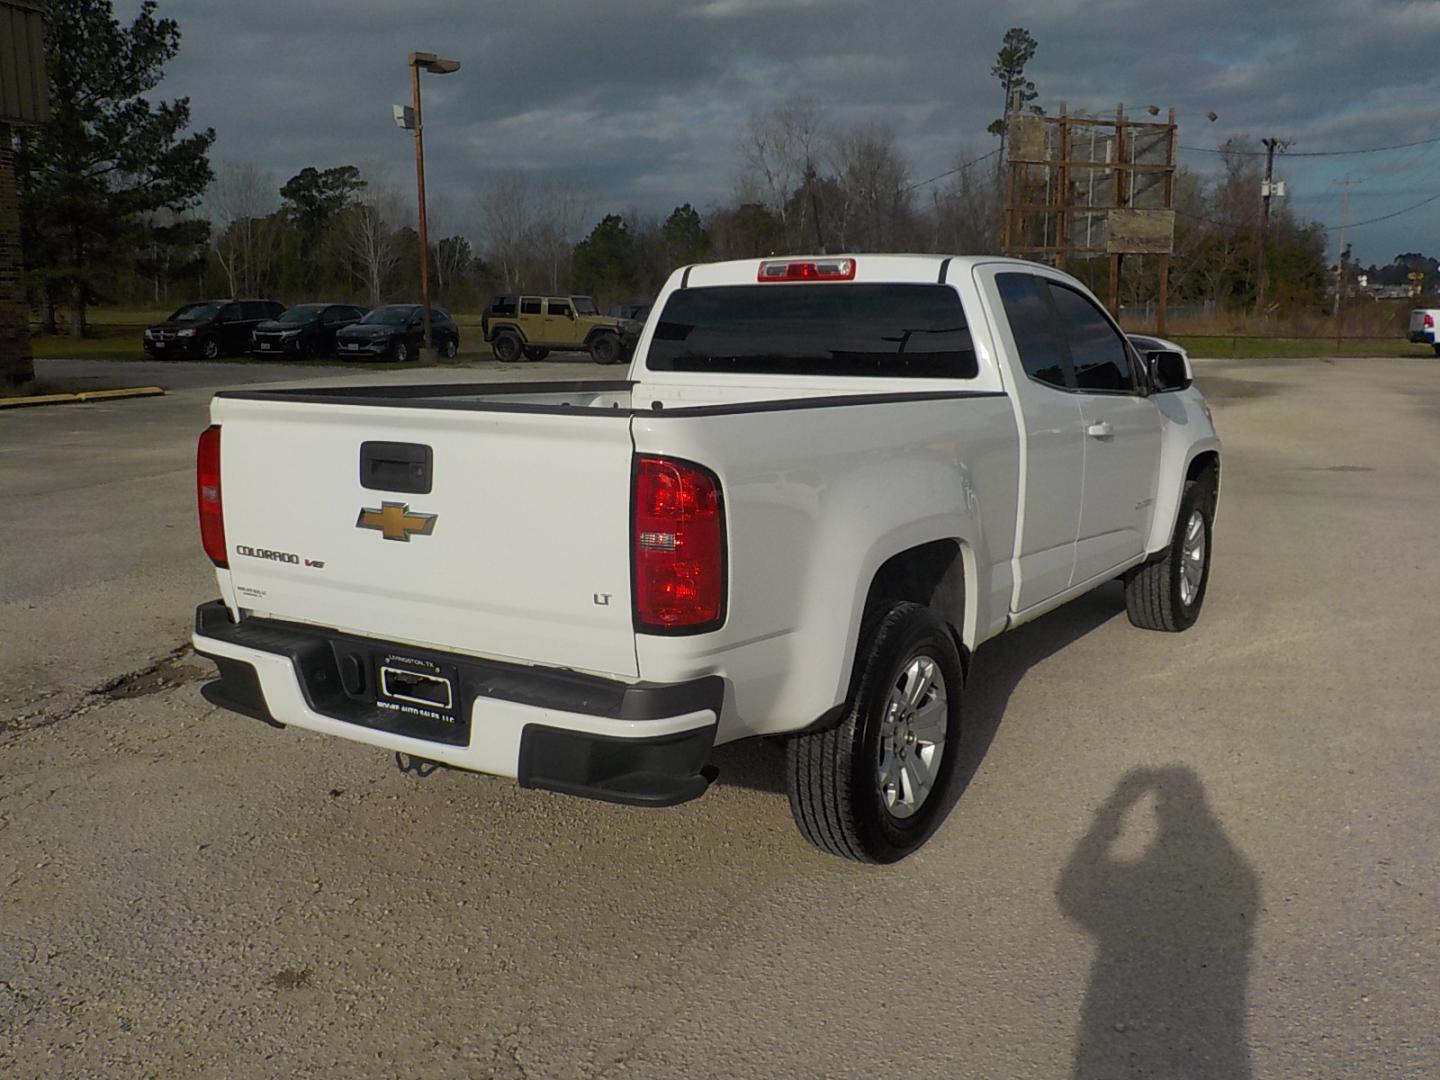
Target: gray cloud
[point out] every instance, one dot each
(643, 99)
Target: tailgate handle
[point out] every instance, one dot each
(396, 466)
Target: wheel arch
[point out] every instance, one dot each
(499, 328)
(1201, 460)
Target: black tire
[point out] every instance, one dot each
(210, 349)
(400, 351)
(506, 347)
(605, 348)
(1436, 347)
(307, 350)
(833, 775)
(449, 348)
(534, 352)
(1155, 593)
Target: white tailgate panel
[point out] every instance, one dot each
(530, 538)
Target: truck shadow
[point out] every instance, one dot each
(1173, 931)
(997, 669)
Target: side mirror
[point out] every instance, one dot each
(1168, 371)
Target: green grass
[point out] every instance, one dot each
(1222, 346)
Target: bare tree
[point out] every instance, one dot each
(369, 236)
(966, 209)
(505, 206)
(239, 203)
(560, 208)
(874, 179)
(782, 152)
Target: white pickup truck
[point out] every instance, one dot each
(825, 483)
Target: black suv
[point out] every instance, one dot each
(304, 331)
(396, 332)
(209, 328)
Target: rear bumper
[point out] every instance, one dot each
(640, 743)
(1425, 336)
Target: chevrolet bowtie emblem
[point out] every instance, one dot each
(394, 521)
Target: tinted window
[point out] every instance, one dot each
(585, 305)
(558, 307)
(195, 313)
(892, 331)
(1097, 352)
(1028, 311)
(502, 305)
(389, 316)
(529, 306)
(302, 313)
(440, 313)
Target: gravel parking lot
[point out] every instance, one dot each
(1205, 855)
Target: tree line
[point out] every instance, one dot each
(120, 203)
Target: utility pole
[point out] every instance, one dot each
(1347, 184)
(410, 119)
(1266, 191)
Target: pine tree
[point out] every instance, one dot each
(1017, 49)
(93, 179)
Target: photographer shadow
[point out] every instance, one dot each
(1173, 929)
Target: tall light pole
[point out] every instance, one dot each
(411, 121)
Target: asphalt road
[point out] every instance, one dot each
(1207, 855)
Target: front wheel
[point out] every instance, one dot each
(210, 349)
(605, 349)
(450, 348)
(400, 352)
(1166, 594)
(878, 785)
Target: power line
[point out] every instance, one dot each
(1323, 228)
(1387, 217)
(952, 172)
(1312, 153)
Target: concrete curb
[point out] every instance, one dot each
(83, 395)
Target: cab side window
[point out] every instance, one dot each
(558, 307)
(530, 305)
(1099, 355)
(1027, 308)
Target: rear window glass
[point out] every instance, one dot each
(888, 331)
(502, 305)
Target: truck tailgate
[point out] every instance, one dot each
(526, 556)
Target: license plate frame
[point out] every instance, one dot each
(418, 692)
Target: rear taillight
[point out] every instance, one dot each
(207, 496)
(1429, 321)
(677, 547)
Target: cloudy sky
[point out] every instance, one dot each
(642, 100)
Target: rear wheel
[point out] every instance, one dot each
(878, 785)
(506, 348)
(400, 351)
(605, 348)
(450, 347)
(1436, 347)
(1166, 594)
(534, 352)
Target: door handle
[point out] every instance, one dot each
(1102, 430)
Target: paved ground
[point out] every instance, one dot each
(1207, 855)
